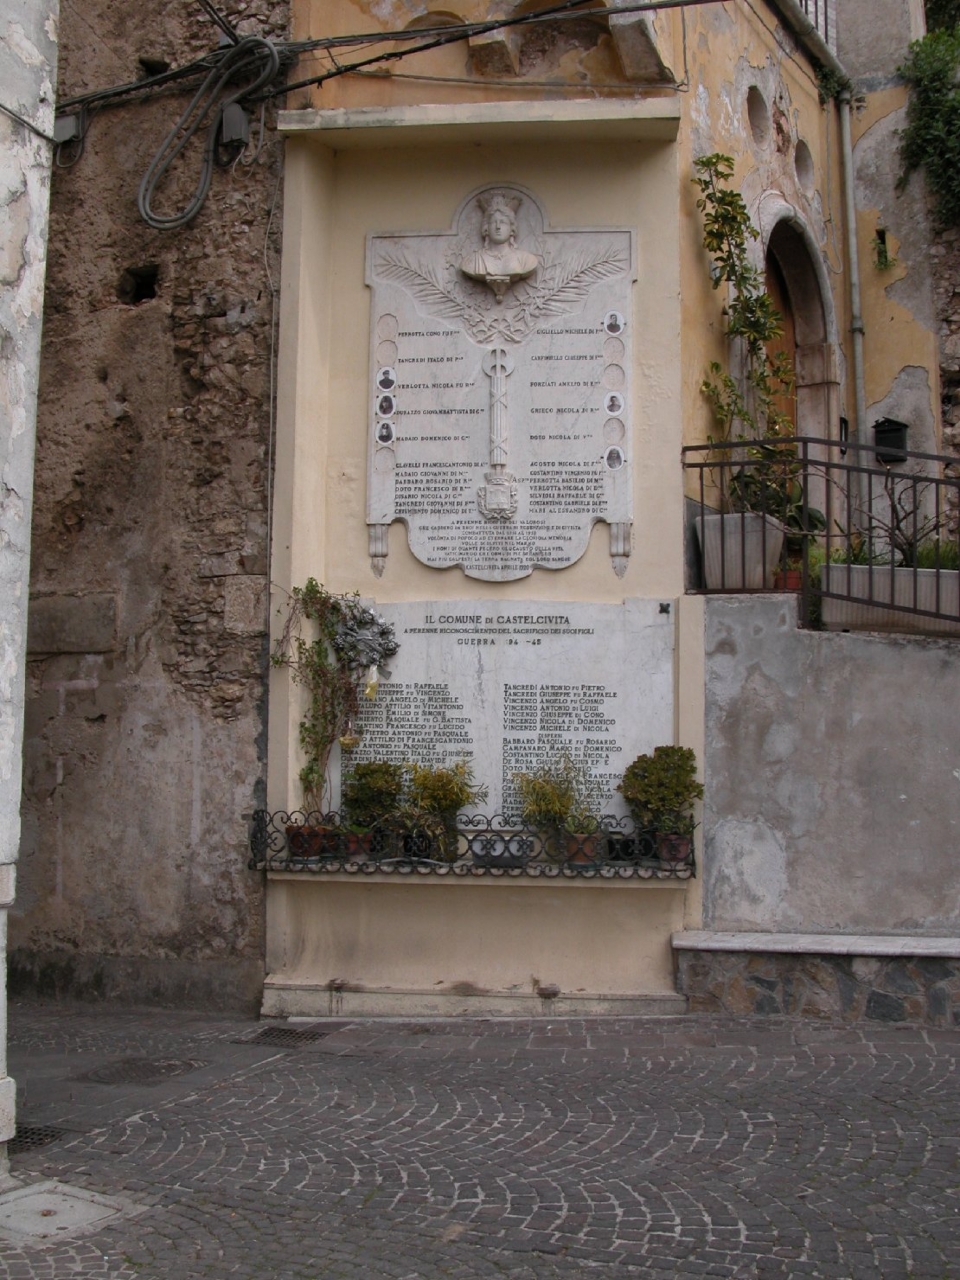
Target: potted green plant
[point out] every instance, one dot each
(434, 795)
(660, 789)
(371, 796)
(335, 662)
(562, 800)
(760, 484)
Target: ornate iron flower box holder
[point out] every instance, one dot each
(485, 845)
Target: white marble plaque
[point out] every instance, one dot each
(511, 685)
(499, 394)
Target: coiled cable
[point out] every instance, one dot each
(251, 54)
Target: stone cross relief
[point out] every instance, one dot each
(497, 498)
(531, 282)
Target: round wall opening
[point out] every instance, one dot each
(803, 164)
(758, 113)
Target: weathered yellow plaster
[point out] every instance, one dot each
(876, 106)
(893, 338)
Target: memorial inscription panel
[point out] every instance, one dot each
(500, 389)
(510, 685)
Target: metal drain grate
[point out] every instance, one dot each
(139, 1070)
(289, 1037)
(30, 1136)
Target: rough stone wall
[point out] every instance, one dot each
(852, 989)
(148, 616)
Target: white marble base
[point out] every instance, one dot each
(315, 1000)
(8, 1106)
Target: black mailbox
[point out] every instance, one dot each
(890, 440)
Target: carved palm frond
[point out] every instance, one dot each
(423, 284)
(569, 282)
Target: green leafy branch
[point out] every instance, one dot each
(747, 404)
(931, 139)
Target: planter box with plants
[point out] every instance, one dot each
(411, 817)
(661, 790)
(905, 556)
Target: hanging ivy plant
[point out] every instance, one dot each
(931, 139)
(336, 662)
(830, 83)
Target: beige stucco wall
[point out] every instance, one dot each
(337, 945)
(333, 199)
(365, 155)
(445, 945)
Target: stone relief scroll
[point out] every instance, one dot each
(500, 389)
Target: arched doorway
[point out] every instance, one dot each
(786, 344)
(795, 287)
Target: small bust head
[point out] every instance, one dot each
(499, 224)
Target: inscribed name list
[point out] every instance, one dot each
(513, 685)
(500, 387)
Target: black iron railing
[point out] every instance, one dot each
(472, 845)
(868, 535)
(819, 13)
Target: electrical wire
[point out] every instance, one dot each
(251, 53)
(147, 85)
(229, 31)
(429, 37)
(27, 124)
(608, 88)
(261, 134)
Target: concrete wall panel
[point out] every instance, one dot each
(833, 776)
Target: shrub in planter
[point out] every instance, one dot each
(661, 789)
(371, 796)
(561, 799)
(428, 816)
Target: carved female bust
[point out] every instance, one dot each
(499, 263)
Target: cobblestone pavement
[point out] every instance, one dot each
(548, 1150)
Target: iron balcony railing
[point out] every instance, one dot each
(470, 845)
(822, 14)
(869, 535)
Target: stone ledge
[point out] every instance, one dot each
(813, 944)
(495, 879)
(624, 119)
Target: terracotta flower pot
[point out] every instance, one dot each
(582, 849)
(673, 848)
(312, 843)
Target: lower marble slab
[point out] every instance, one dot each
(509, 685)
